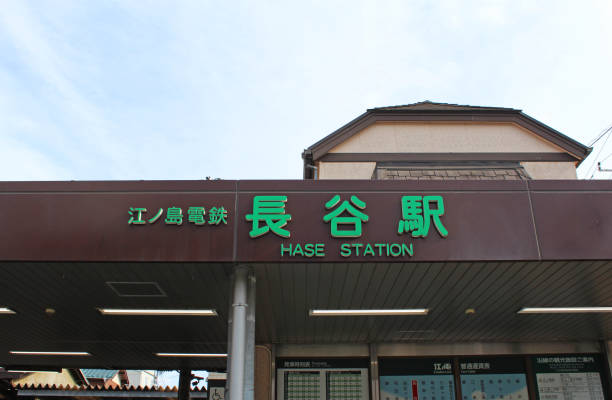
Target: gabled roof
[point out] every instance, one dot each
(430, 105)
(444, 112)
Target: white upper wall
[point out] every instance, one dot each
(446, 137)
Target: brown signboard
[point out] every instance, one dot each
(304, 221)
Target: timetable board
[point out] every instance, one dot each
(416, 379)
(344, 385)
(488, 378)
(317, 379)
(568, 377)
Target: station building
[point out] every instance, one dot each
(431, 252)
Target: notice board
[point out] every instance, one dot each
(568, 377)
(416, 379)
(493, 378)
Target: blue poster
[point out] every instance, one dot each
(417, 387)
(494, 387)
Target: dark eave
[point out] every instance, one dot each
(445, 113)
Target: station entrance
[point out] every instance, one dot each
(441, 290)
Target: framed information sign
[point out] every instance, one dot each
(493, 378)
(322, 379)
(416, 379)
(568, 377)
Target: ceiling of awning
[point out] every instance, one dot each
(494, 290)
(76, 290)
(285, 294)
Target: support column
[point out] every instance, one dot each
(184, 384)
(249, 366)
(241, 341)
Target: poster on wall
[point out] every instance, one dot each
(568, 377)
(493, 378)
(416, 379)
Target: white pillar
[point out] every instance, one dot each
(241, 340)
(249, 366)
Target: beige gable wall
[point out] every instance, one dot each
(452, 137)
(43, 378)
(550, 170)
(365, 170)
(346, 170)
(446, 137)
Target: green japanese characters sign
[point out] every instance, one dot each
(353, 208)
(347, 219)
(338, 224)
(269, 211)
(174, 216)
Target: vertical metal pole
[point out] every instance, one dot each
(457, 376)
(230, 327)
(184, 384)
(531, 381)
(249, 366)
(374, 376)
(238, 334)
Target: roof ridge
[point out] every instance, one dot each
(435, 103)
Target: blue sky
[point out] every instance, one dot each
(236, 90)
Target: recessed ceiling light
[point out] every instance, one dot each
(209, 355)
(6, 310)
(120, 311)
(342, 313)
(49, 353)
(563, 310)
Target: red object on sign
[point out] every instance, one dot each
(415, 390)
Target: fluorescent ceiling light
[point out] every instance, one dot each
(6, 310)
(399, 311)
(563, 310)
(28, 371)
(49, 353)
(209, 355)
(120, 311)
